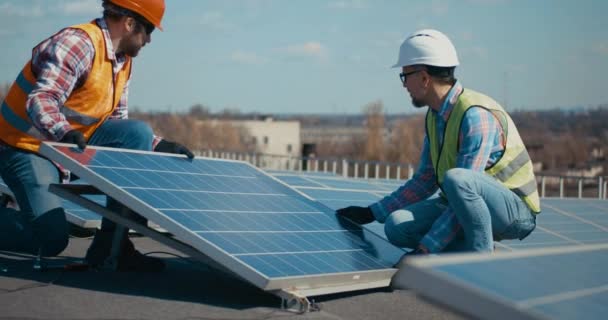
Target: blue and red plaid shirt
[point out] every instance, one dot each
(62, 63)
(481, 144)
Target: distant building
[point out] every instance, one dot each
(273, 137)
(333, 133)
(280, 138)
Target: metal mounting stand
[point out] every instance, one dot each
(295, 302)
(75, 194)
(292, 299)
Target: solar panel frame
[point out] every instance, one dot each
(74, 214)
(334, 282)
(475, 293)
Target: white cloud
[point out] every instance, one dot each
(487, 2)
(601, 48)
(355, 58)
(215, 20)
(13, 10)
(466, 35)
(81, 7)
(310, 49)
(247, 58)
(348, 4)
(516, 68)
(439, 7)
(475, 51)
(5, 32)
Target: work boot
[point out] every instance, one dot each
(132, 260)
(128, 259)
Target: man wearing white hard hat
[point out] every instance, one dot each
(472, 152)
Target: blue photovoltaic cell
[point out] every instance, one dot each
(567, 222)
(242, 211)
(313, 179)
(336, 199)
(571, 285)
(562, 222)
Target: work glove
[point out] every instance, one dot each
(360, 215)
(75, 137)
(173, 147)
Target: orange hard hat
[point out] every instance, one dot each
(151, 10)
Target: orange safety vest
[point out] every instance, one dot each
(86, 108)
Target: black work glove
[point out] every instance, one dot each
(75, 137)
(360, 215)
(173, 147)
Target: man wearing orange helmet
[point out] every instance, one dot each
(74, 90)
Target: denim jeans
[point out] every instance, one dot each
(485, 209)
(40, 224)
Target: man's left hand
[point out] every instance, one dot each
(173, 147)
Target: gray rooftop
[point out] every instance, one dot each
(186, 290)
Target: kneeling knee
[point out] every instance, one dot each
(399, 232)
(455, 177)
(141, 134)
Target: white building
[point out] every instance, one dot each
(281, 138)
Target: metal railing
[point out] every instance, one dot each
(549, 185)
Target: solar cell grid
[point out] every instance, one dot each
(244, 219)
(559, 283)
(565, 221)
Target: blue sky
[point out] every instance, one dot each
(334, 56)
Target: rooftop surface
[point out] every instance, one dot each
(186, 290)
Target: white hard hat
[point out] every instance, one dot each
(429, 47)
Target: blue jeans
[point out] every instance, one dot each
(485, 209)
(40, 224)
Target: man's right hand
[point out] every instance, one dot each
(75, 137)
(360, 215)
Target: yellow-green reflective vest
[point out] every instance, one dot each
(513, 169)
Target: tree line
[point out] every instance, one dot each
(559, 139)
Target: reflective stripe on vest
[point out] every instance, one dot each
(527, 189)
(513, 169)
(507, 172)
(74, 116)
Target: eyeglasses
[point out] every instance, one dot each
(403, 75)
(148, 27)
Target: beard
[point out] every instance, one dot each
(132, 50)
(418, 103)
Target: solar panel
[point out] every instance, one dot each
(549, 283)
(332, 181)
(247, 221)
(335, 198)
(75, 214)
(565, 221)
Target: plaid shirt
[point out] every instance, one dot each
(62, 63)
(481, 144)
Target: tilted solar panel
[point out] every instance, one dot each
(549, 283)
(245, 220)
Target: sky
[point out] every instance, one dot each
(335, 56)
